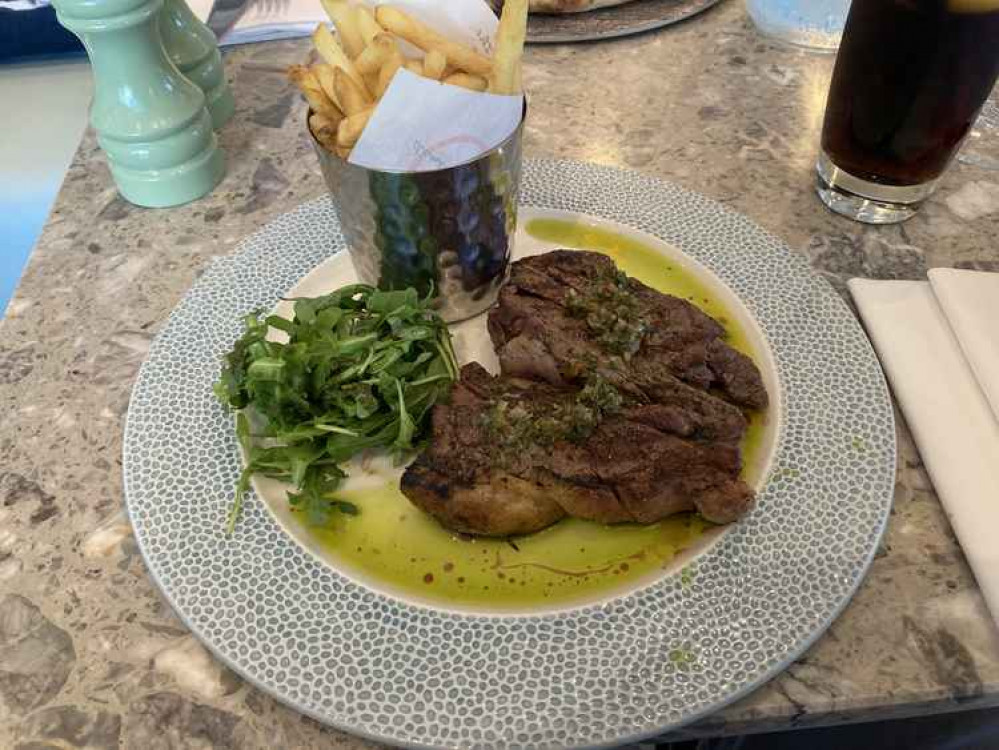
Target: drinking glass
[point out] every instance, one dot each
(910, 79)
(984, 133)
(816, 24)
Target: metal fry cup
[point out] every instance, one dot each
(447, 231)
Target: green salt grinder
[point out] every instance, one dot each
(192, 47)
(151, 121)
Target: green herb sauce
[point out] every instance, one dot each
(612, 313)
(514, 428)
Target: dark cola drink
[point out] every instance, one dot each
(910, 79)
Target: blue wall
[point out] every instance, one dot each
(21, 219)
(37, 143)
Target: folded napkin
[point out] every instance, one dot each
(970, 300)
(461, 20)
(264, 20)
(927, 335)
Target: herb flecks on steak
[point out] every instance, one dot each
(515, 427)
(611, 311)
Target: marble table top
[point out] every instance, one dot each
(92, 657)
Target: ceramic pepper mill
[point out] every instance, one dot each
(150, 120)
(194, 50)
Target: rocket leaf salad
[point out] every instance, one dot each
(359, 369)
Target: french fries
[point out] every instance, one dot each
(334, 54)
(510, 38)
(375, 54)
(467, 81)
(324, 73)
(325, 129)
(367, 24)
(308, 83)
(353, 97)
(388, 71)
(342, 14)
(434, 63)
(350, 128)
(422, 36)
(359, 63)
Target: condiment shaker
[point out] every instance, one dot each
(150, 120)
(194, 50)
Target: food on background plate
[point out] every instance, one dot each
(556, 7)
(361, 60)
(617, 403)
(357, 369)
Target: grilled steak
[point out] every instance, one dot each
(511, 456)
(616, 404)
(567, 308)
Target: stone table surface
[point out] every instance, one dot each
(92, 657)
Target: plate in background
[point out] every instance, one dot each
(607, 23)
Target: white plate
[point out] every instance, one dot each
(472, 344)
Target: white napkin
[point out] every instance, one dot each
(262, 21)
(970, 300)
(947, 410)
(285, 19)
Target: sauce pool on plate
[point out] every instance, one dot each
(392, 543)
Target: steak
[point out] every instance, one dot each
(511, 456)
(616, 404)
(567, 312)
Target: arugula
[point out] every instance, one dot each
(359, 369)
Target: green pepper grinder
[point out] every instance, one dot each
(194, 50)
(150, 120)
